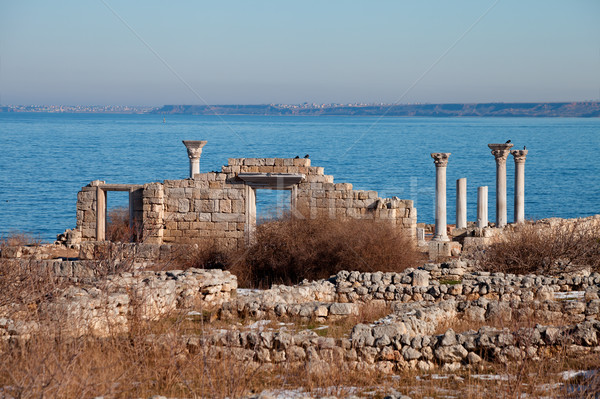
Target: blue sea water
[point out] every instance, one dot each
(46, 158)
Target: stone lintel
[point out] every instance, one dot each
(272, 181)
(120, 187)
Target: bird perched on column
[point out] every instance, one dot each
(296, 157)
(524, 147)
(306, 156)
(508, 141)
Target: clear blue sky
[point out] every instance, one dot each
(79, 52)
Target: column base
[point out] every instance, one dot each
(440, 238)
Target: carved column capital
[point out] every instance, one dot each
(194, 148)
(520, 155)
(500, 151)
(440, 159)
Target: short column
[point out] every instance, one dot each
(440, 159)
(520, 156)
(461, 203)
(482, 207)
(194, 150)
(500, 153)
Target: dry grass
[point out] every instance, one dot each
(143, 363)
(545, 249)
(117, 226)
(290, 250)
(19, 239)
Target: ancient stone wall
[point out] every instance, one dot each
(220, 208)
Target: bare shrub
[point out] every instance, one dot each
(202, 255)
(545, 248)
(291, 250)
(117, 226)
(24, 285)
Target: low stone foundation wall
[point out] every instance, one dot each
(387, 349)
(107, 306)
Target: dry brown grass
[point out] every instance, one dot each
(117, 226)
(545, 249)
(290, 250)
(19, 239)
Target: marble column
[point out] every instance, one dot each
(194, 150)
(500, 152)
(440, 159)
(482, 207)
(461, 203)
(520, 156)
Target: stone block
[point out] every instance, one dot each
(183, 205)
(225, 206)
(439, 249)
(228, 217)
(301, 162)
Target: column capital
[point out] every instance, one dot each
(440, 159)
(500, 151)
(520, 155)
(194, 147)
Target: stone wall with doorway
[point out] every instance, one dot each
(220, 207)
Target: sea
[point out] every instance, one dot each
(45, 159)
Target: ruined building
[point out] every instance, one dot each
(221, 207)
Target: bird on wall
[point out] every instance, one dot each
(306, 156)
(508, 142)
(524, 147)
(296, 157)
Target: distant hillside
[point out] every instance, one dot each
(573, 109)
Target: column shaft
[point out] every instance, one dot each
(194, 166)
(500, 153)
(482, 207)
(501, 217)
(520, 156)
(441, 161)
(461, 203)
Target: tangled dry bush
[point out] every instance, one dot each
(290, 250)
(117, 226)
(25, 286)
(546, 248)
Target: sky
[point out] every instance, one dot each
(108, 52)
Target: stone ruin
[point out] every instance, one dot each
(220, 207)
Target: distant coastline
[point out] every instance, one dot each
(588, 109)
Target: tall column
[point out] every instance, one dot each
(440, 159)
(520, 156)
(194, 150)
(461, 203)
(500, 152)
(482, 207)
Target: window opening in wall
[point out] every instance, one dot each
(272, 204)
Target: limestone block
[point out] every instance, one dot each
(183, 206)
(237, 206)
(301, 162)
(225, 206)
(173, 193)
(228, 217)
